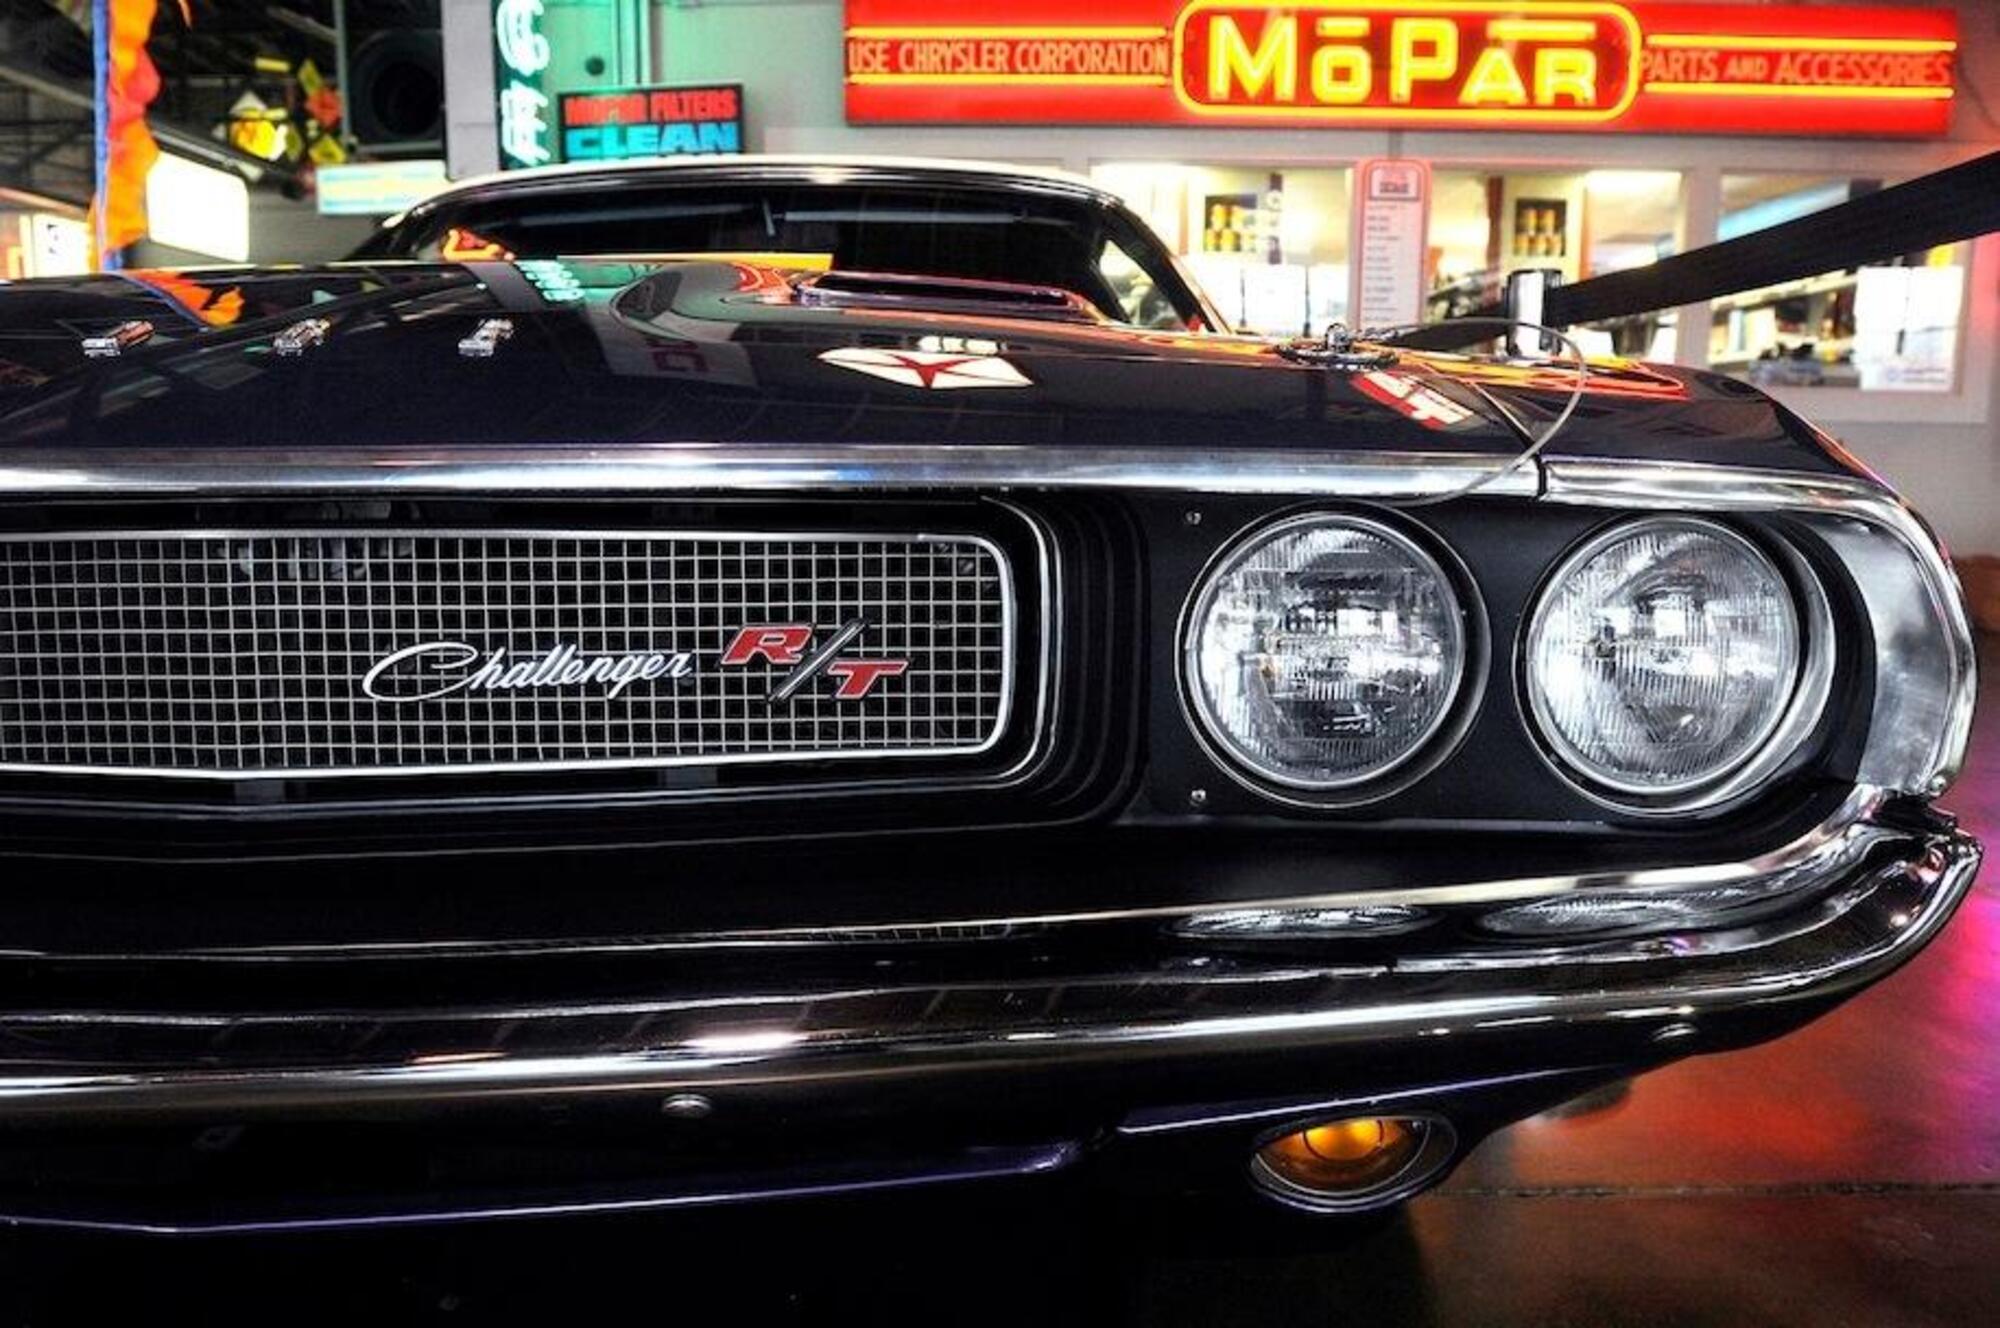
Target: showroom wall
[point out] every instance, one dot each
(281, 230)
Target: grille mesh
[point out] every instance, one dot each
(238, 653)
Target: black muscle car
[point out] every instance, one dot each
(906, 697)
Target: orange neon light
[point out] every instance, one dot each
(1723, 41)
(1865, 91)
(1539, 29)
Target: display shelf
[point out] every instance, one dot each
(1829, 284)
(1830, 350)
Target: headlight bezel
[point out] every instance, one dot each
(1783, 738)
(1439, 739)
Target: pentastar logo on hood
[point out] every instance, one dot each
(939, 370)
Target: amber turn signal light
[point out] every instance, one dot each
(1354, 1161)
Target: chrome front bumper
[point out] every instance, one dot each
(1183, 1020)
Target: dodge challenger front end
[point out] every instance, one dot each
(524, 736)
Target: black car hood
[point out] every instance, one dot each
(603, 352)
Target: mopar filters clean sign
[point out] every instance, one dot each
(616, 124)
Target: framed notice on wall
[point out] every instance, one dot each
(1392, 201)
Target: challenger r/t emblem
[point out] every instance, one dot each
(433, 670)
(789, 646)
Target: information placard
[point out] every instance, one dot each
(1392, 200)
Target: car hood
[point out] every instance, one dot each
(598, 352)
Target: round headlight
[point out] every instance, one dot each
(1324, 651)
(1662, 656)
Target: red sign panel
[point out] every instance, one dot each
(1471, 64)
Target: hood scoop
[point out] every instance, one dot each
(955, 295)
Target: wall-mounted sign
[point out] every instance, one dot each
(376, 188)
(617, 124)
(198, 208)
(520, 64)
(57, 246)
(1464, 64)
(1391, 218)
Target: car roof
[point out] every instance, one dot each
(777, 165)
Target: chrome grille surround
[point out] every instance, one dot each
(240, 653)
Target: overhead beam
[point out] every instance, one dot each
(302, 23)
(185, 141)
(36, 199)
(74, 132)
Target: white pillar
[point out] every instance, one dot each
(471, 134)
(1701, 213)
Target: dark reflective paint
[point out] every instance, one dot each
(615, 352)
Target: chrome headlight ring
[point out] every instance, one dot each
(1381, 667)
(1775, 734)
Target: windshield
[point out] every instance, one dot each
(922, 230)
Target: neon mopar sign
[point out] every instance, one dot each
(1442, 63)
(1566, 62)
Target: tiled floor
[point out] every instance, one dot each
(1847, 1175)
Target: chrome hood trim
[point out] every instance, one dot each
(752, 468)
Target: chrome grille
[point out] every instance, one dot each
(244, 653)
